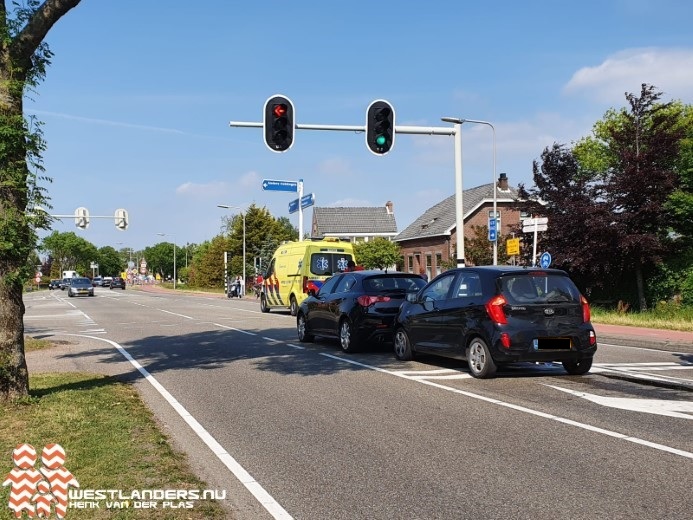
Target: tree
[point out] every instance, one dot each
(23, 61)
(636, 153)
(70, 251)
(379, 253)
(110, 262)
(478, 249)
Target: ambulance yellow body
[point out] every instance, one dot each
(297, 267)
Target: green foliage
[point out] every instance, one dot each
(379, 253)
(69, 251)
(110, 262)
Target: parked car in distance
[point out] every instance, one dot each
(97, 281)
(491, 316)
(54, 284)
(106, 282)
(80, 286)
(65, 283)
(118, 283)
(357, 307)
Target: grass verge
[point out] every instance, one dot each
(111, 440)
(658, 318)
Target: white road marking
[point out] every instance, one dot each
(678, 409)
(245, 478)
(522, 409)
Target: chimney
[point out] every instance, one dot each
(503, 182)
(390, 207)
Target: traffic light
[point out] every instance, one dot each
(278, 123)
(380, 127)
(121, 219)
(82, 218)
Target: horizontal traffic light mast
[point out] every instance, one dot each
(83, 218)
(279, 125)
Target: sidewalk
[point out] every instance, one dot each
(669, 340)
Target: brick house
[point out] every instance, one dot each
(432, 238)
(356, 224)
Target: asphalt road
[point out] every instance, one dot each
(294, 430)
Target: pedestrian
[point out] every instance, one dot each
(422, 273)
(237, 286)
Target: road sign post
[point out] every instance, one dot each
(534, 225)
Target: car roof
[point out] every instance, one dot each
(510, 269)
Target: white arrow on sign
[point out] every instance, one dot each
(678, 409)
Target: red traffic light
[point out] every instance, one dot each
(279, 110)
(279, 123)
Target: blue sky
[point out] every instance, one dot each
(140, 93)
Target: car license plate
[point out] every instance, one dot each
(552, 344)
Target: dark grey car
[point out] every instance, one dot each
(491, 316)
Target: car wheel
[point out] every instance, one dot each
(263, 304)
(293, 306)
(70, 294)
(302, 330)
(578, 368)
(402, 345)
(346, 336)
(481, 364)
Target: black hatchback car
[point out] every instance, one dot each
(357, 307)
(491, 316)
(117, 283)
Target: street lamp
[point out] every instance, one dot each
(495, 187)
(174, 255)
(225, 206)
(458, 184)
(459, 213)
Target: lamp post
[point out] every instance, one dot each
(495, 188)
(174, 255)
(225, 206)
(459, 210)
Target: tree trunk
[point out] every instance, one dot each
(14, 376)
(640, 284)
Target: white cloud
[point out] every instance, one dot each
(202, 190)
(337, 166)
(669, 70)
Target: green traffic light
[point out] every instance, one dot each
(380, 140)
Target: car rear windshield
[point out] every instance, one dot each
(539, 288)
(403, 284)
(327, 264)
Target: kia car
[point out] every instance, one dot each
(491, 316)
(80, 286)
(356, 307)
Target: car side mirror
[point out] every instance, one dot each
(411, 297)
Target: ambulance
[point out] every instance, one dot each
(297, 267)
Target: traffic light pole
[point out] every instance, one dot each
(455, 131)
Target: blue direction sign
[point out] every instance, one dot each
(492, 229)
(307, 200)
(293, 206)
(268, 184)
(545, 260)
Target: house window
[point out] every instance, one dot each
(439, 261)
(524, 215)
(429, 266)
(410, 263)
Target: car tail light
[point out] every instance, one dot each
(505, 339)
(586, 314)
(593, 338)
(366, 301)
(308, 285)
(494, 308)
